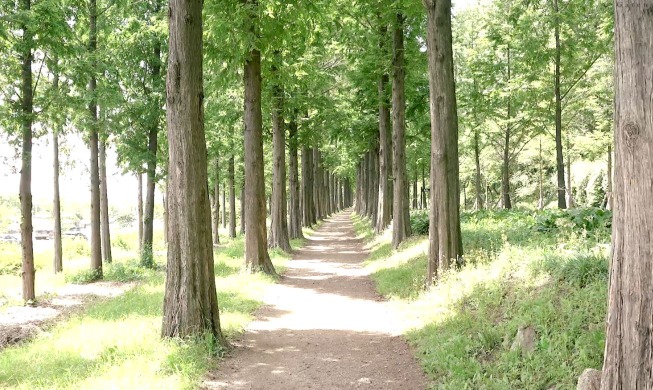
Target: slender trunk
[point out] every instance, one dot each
(373, 193)
(558, 112)
(242, 208)
(139, 207)
(27, 111)
(400, 210)
(307, 186)
(317, 183)
(96, 238)
(104, 205)
(505, 172)
(278, 237)
(232, 198)
(216, 204)
(224, 207)
(190, 306)
(444, 233)
(540, 204)
(384, 208)
(257, 258)
(147, 257)
(570, 196)
(295, 220)
(628, 361)
(56, 206)
(609, 191)
(477, 179)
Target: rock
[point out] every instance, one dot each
(590, 379)
(525, 340)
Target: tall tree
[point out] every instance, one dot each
(232, 198)
(190, 304)
(444, 216)
(216, 203)
(256, 251)
(628, 350)
(385, 143)
(104, 204)
(278, 236)
(26, 119)
(295, 211)
(96, 238)
(401, 210)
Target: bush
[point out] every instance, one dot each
(83, 277)
(578, 271)
(583, 221)
(419, 223)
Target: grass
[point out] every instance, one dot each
(116, 343)
(514, 276)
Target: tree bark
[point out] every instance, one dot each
(568, 188)
(609, 191)
(477, 179)
(628, 362)
(278, 237)
(295, 212)
(56, 206)
(257, 258)
(401, 208)
(104, 205)
(216, 204)
(147, 257)
(224, 207)
(308, 212)
(505, 171)
(444, 233)
(27, 118)
(558, 112)
(384, 208)
(232, 198)
(317, 184)
(190, 305)
(242, 207)
(139, 210)
(540, 203)
(96, 238)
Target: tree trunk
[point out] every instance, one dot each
(216, 204)
(295, 212)
(568, 188)
(56, 206)
(401, 207)
(242, 207)
(423, 203)
(609, 191)
(278, 237)
(27, 112)
(257, 258)
(190, 305)
(139, 207)
(444, 233)
(96, 238)
(147, 257)
(317, 184)
(540, 203)
(232, 198)
(308, 215)
(384, 208)
(505, 171)
(224, 207)
(558, 112)
(104, 204)
(628, 361)
(477, 179)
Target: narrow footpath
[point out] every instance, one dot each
(323, 326)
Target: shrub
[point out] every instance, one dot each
(419, 223)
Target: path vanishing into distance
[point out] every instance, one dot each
(323, 326)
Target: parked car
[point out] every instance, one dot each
(43, 234)
(75, 233)
(10, 238)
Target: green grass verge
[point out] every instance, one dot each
(514, 276)
(116, 343)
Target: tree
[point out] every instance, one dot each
(256, 252)
(444, 216)
(26, 118)
(401, 211)
(278, 236)
(104, 204)
(190, 303)
(96, 238)
(385, 143)
(628, 358)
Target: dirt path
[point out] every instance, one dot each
(323, 327)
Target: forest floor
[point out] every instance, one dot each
(323, 326)
(20, 323)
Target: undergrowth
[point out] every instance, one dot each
(516, 274)
(116, 343)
